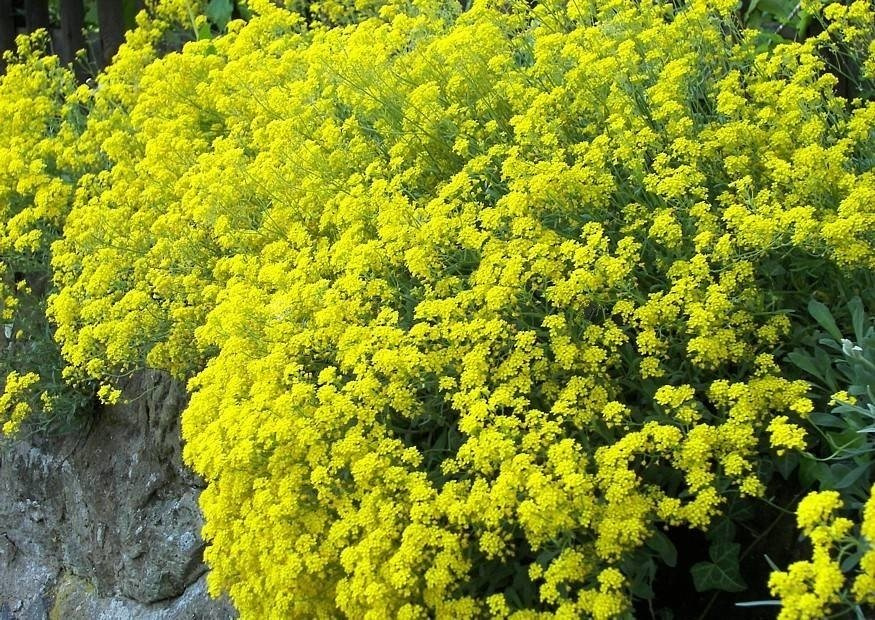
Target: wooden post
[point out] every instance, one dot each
(110, 15)
(72, 37)
(36, 14)
(7, 29)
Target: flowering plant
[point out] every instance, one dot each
(484, 311)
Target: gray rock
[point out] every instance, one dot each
(105, 523)
(76, 598)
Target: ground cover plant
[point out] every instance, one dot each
(503, 310)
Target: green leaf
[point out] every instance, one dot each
(830, 344)
(204, 32)
(846, 409)
(811, 471)
(858, 317)
(513, 598)
(824, 318)
(641, 573)
(803, 21)
(721, 530)
(642, 590)
(852, 560)
(827, 420)
(806, 363)
(858, 390)
(824, 360)
(740, 511)
(91, 16)
(245, 12)
(779, 8)
(750, 9)
(847, 439)
(852, 476)
(219, 12)
(663, 546)
(722, 573)
(786, 464)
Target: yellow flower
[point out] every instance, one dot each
(411, 261)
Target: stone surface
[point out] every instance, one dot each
(104, 523)
(76, 598)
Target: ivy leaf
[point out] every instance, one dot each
(722, 529)
(641, 572)
(722, 572)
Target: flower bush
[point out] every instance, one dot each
(813, 589)
(475, 306)
(38, 170)
(841, 573)
(50, 151)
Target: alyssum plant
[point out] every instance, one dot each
(484, 312)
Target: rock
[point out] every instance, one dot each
(75, 598)
(104, 523)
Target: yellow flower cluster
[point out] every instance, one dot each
(809, 588)
(470, 303)
(864, 584)
(36, 158)
(16, 402)
(38, 169)
(812, 589)
(50, 157)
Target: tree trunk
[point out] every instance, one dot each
(110, 14)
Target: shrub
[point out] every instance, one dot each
(841, 572)
(475, 306)
(38, 172)
(55, 145)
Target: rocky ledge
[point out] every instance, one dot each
(104, 523)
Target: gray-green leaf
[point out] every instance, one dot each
(824, 317)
